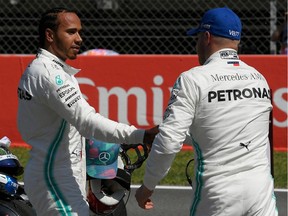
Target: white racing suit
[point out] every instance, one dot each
(54, 118)
(224, 108)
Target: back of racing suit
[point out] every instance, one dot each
(54, 118)
(224, 108)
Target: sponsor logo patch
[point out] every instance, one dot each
(58, 80)
(23, 95)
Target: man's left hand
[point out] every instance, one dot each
(142, 196)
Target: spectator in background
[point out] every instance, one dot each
(280, 35)
(222, 108)
(55, 119)
(100, 52)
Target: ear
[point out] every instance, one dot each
(49, 33)
(207, 36)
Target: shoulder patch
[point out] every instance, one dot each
(175, 90)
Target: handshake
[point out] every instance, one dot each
(149, 136)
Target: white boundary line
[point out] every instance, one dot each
(189, 188)
(281, 190)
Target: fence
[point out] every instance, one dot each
(140, 26)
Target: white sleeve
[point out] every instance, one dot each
(173, 131)
(68, 102)
(153, 172)
(96, 125)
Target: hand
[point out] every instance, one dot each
(150, 135)
(143, 197)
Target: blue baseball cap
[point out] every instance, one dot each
(101, 159)
(221, 22)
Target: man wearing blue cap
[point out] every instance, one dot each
(222, 108)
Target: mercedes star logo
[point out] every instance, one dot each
(104, 157)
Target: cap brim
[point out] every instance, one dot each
(103, 172)
(192, 32)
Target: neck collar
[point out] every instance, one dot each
(67, 68)
(225, 54)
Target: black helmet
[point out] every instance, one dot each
(106, 195)
(108, 182)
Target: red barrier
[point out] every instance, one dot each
(135, 89)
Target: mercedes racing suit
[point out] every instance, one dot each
(54, 118)
(222, 108)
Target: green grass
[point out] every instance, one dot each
(176, 175)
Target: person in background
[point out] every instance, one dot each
(280, 35)
(55, 119)
(222, 108)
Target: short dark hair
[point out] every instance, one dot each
(49, 20)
